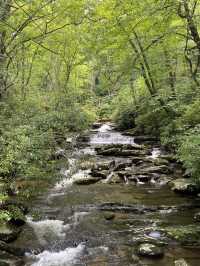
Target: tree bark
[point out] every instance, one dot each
(185, 12)
(4, 15)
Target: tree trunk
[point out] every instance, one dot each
(4, 14)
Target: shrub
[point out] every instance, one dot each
(189, 152)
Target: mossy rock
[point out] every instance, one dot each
(184, 186)
(8, 233)
(186, 235)
(150, 250)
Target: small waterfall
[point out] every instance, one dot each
(126, 180)
(156, 152)
(66, 257)
(48, 229)
(105, 135)
(109, 178)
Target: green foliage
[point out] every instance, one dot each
(189, 152)
(22, 148)
(4, 216)
(125, 117)
(191, 117)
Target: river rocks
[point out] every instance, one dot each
(140, 160)
(161, 169)
(121, 150)
(86, 180)
(184, 186)
(105, 165)
(181, 262)
(150, 250)
(122, 165)
(114, 178)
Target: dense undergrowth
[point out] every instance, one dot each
(180, 133)
(31, 132)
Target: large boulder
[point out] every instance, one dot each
(150, 250)
(122, 165)
(184, 186)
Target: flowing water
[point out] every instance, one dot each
(68, 225)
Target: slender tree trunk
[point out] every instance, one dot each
(4, 15)
(171, 73)
(146, 64)
(187, 13)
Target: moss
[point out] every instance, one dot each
(185, 234)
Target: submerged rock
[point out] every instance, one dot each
(150, 250)
(181, 262)
(184, 186)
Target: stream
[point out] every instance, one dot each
(84, 222)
